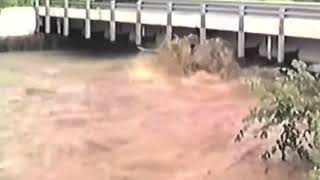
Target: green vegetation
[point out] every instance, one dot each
(8, 3)
(291, 103)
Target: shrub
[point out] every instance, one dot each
(292, 103)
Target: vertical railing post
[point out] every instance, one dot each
(112, 21)
(66, 18)
(169, 22)
(281, 37)
(203, 30)
(269, 47)
(36, 6)
(47, 18)
(138, 23)
(241, 33)
(87, 20)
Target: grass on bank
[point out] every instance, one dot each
(10, 3)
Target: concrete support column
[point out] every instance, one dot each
(36, 6)
(66, 18)
(47, 17)
(58, 26)
(106, 31)
(241, 33)
(112, 21)
(169, 22)
(138, 23)
(143, 31)
(281, 37)
(203, 30)
(87, 20)
(269, 47)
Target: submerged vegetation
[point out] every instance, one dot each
(186, 56)
(290, 109)
(291, 101)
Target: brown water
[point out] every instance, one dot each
(83, 117)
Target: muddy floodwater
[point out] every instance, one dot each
(79, 116)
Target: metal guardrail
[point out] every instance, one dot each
(126, 5)
(168, 7)
(154, 6)
(101, 5)
(301, 10)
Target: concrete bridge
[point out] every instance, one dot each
(276, 28)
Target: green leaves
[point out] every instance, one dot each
(291, 102)
(9, 3)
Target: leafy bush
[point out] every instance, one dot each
(291, 102)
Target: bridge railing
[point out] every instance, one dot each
(125, 5)
(154, 5)
(220, 8)
(301, 10)
(242, 9)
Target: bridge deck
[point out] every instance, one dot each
(282, 20)
(304, 23)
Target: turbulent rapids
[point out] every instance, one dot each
(187, 56)
(169, 114)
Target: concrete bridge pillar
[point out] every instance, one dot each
(106, 31)
(143, 31)
(58, 21)
(269, 47)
